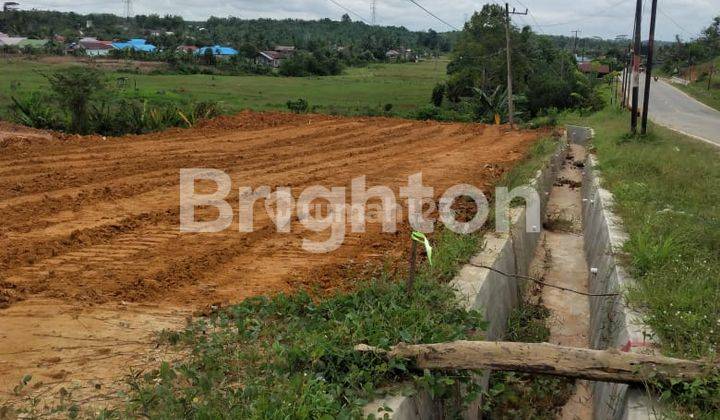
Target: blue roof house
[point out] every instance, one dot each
(135, 44)
(217, 50)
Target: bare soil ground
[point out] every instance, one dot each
(92, 262)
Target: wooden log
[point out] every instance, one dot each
(549, 359)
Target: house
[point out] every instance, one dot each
(275, 57)
(186, 49)
(91, 46)
(136, 44)
(401, 53)
(6, 40)
(33, 43)
(590, 67)
(217, 51)
(392, 54)
(270, 58)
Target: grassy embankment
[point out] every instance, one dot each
(699, 90)
(667, 191)
(405, 86)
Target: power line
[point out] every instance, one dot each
(433, 15)
(349, 11)
(674, 22)
(539, 27)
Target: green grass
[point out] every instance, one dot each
(667, 191)
(405, 86)
(699, 90)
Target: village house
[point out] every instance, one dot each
(92, 47)
(589, 67)
(10, 41)
(136, 44)
(218, 51)
(275, 57)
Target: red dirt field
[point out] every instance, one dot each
(92, 262)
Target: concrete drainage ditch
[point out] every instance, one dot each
(577, 250)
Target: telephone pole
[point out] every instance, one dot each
(576, 31)
(511, 105)
(128, 9)
(636, 68)
(649, 66)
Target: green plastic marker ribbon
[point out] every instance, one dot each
(420, 237)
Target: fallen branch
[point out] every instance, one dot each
(549, 359)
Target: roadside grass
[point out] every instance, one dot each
(292, 356)
(699, 90)
(358, 91)
(667, 191)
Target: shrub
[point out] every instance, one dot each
(74, 88)
(299, 106)
(438, 94)
(34, 111)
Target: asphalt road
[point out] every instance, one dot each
(674, 109)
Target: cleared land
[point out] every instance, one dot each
(93, 263)
(406, 86)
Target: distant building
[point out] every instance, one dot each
(6, 40)
(275, 57)
(91, 46)
(270, 59)
(401, 54)
(136, 44)
(392, 54)
(590, 67)
(217, 51)
(186, 49)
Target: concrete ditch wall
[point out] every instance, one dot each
(613, 323)
(493, 294)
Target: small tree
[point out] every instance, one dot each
(74, 88)
(438, 94)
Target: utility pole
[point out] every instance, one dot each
(649, 66)
(374, 11)
(636, 68)
(576, 31)
(128, 9)
(511, 105)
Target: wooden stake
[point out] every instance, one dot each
(549, 359)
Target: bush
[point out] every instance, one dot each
(299, 106)
(438, 94)
(35, 111)
(74, 88)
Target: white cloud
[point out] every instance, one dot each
(605, 18)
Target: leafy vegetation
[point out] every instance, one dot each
(515, 395)
(80, 102)
(359, 91)
(293, 357)
(544, 76)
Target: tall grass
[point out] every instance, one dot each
(118, 117)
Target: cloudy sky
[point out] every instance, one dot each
(604, 18)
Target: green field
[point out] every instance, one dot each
(405, 86)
